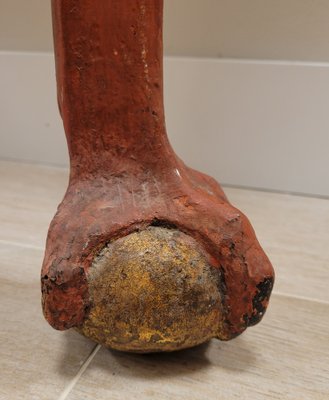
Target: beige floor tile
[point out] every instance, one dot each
(285, 357)
(294, 233)
(283, 220)
(292, 229)
(19, 264)
(28, 200)
(300, 274)
(37, 362)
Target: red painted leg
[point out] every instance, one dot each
(125, 177)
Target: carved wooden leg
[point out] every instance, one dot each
(144, 253)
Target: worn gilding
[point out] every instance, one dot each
(153, 291)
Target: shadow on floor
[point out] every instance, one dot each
(155, 365)
(234, 355)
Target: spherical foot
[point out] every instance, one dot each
(153, 290)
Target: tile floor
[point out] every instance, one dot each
(284, 357)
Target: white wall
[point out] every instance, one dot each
(258, 124)
(25, 25)
(258, 29)
(251, 123)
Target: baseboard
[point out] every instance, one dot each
(248, 123)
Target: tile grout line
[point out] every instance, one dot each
(275, 191)
(23, 245)
(302, 298)
(67, 390)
